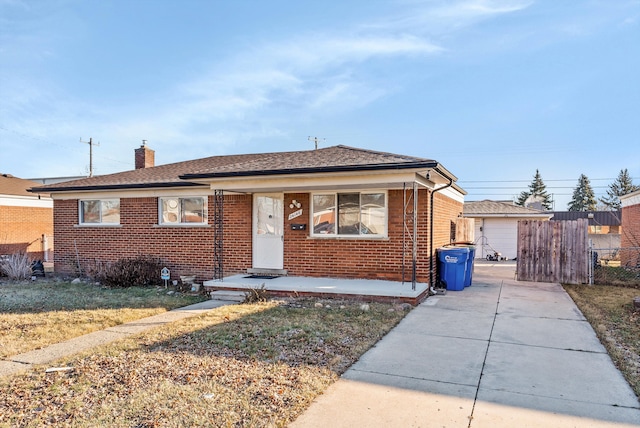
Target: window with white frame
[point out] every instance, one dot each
(349, 214)
(186, 210)
(99, 211)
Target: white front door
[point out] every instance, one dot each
(268, 231)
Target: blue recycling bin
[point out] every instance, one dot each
(472, 257)
(452, 264)
(468, 275)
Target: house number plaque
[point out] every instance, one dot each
(295, 214)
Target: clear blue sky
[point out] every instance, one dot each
(491, 89)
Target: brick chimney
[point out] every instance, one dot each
(145, 157)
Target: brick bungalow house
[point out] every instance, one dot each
(338, 212)
(630, 235)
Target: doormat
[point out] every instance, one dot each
(262, 276)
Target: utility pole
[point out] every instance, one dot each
(315, 140)
(91, 144)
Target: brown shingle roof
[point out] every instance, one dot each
(14, 186)
(335, 157)
(488, 207)
(178, 174)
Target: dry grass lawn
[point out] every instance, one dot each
(36, 314)
(609, 309)
(237, 366)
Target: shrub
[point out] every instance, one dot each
(255, 295)
(16, 266)
(140, 271)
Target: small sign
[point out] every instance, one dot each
(165, 274)
(295, 214)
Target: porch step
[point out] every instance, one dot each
(228, 295)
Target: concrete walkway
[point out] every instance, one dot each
(21, 362)
(501, 353)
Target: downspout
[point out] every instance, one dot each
(433, 192)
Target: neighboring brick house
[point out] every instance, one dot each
(630, 236)
(604, 230)
(26, 219)
(332, 212)
(600, 222)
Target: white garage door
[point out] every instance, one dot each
(497, 234)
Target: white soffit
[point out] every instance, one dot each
(17, 201)
(630, 199)
(318, 181)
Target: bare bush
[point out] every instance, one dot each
(255, 295)
(140, 271)
(16, 266)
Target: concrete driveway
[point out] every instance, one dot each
(501, 353)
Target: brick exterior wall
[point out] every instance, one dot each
(21, 230)
(184, 250)
(189, 250)
(369, 258)
(630, 236)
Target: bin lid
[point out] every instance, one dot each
(453, 254)
(455, 249)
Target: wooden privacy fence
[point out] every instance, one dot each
(553, 251)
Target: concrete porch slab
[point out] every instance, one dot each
(371, 289)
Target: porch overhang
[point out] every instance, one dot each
(330, 180)
(508, 215)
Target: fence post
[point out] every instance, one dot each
(45, 248)
(590, 261)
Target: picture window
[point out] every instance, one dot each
(349, 214)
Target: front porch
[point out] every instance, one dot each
(361, 289)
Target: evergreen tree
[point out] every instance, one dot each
(583, 197)
(537, 190)
(621, 186)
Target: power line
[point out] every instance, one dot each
(31, 137)
(544, 180)
(516, 188)
(64, 146)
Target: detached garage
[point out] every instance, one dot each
(496, 225)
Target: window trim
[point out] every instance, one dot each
(178, 210)
(337, 235)
(100, 223)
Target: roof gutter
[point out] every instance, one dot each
(432, 197)
(112, 187)
(536, 215)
